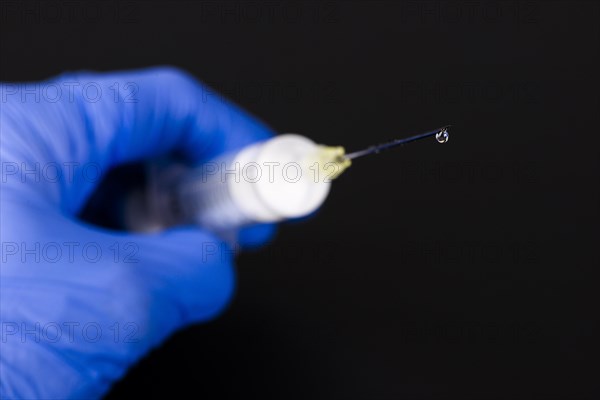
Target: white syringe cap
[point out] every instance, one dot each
(282, 179)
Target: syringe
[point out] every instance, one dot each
(288, 176)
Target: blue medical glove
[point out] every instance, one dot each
(79, 305)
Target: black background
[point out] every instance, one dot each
(460, 270)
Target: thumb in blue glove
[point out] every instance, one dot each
(80, 305)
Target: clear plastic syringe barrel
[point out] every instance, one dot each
(270, 181)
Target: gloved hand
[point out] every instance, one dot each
(79, 305)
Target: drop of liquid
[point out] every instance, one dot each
(442, 136)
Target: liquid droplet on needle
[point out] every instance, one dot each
(442, 136)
